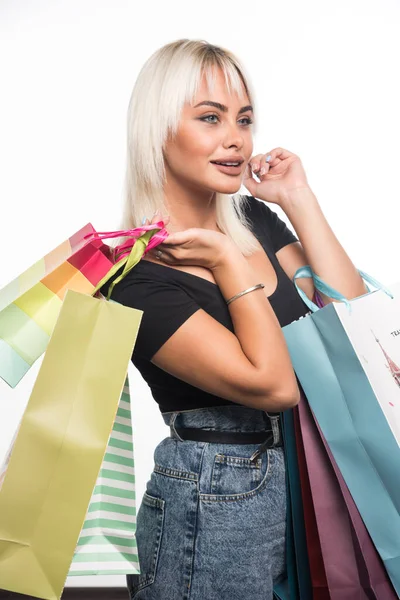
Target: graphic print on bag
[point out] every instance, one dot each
(372, 329)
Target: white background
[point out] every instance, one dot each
(326, 82)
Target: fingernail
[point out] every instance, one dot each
(262, 172)
(268, 158)
(144, 220)
(254, 167)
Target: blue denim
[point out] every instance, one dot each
(212, 521)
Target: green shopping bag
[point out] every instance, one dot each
(107, 542)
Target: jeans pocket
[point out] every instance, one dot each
(149, 529)
(235, 474)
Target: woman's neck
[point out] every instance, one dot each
(189, 207)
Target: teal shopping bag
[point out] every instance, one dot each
(288, 589)
(282, 591)
(298, 568)
(337, 383)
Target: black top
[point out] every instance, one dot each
(168, 297)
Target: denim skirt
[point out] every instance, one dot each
(211, 523)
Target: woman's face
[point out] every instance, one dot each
(215, 129)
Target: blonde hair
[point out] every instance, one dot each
(168, 79)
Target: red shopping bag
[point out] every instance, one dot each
(352, 565)
(317, 569)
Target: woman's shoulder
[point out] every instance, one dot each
(259, 214)
(268, 224)
(253, 205)
(141, 278)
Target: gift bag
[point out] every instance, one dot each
(351, 563)
(30, 304)
(333, 352)
(63, 439)
(298, 567)
(319, 583)
(107, 542)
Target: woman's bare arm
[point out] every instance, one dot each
(251, 366)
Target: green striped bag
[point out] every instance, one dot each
(107, 543)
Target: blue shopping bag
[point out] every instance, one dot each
(297, 584)
(298, 568)
(350, 414)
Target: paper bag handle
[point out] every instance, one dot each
(320, 285)
(130, 257)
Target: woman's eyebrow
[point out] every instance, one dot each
(222, 107)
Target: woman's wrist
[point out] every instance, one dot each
(234, 274)
(296, 196)
(226, 254)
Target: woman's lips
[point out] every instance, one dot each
(229, 170)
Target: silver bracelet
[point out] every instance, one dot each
(255, 287)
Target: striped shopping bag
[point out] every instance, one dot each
(107, 543)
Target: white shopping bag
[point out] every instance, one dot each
(373, 327)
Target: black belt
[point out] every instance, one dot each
(265, 437)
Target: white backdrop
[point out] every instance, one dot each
(326, 82)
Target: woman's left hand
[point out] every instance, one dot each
(278, 176)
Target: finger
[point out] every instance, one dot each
(278, 155)
(249, 182)
(281, 153)
(175, 239)
(256, 162)
(263, 169)
(156, 217)
(165, 256)
(166, 253)
(271, 159)
(165, 220)
(248, 174)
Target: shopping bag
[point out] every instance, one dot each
(299, 577)
(333, 375)
(29, 305)
(107, 542)
(352, 565)
(319, 583)
(61, 444)
(287, 587)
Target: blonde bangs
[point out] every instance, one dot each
(203, 60)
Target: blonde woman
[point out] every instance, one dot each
(215, 295)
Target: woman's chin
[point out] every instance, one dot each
(228, 187)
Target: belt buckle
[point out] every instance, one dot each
(259, 450)
(276, 437)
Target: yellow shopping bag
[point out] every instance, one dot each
(61, 443)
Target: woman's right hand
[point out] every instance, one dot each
(194, 246)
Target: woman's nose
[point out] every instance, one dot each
(233, 137)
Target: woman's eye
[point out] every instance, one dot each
(244, 121)
(209, 117)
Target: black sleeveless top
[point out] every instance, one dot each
(168, 297)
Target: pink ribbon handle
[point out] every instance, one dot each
(124, 248)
